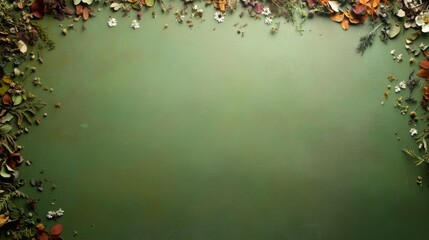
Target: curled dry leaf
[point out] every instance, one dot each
(337, 17)
(3, 219)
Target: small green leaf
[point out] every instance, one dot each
(4, 173)
(16, 99)
(5, 128)
(6, 118)
(149, 3)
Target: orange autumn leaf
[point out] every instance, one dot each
(85, 13)
(364, 2)
(345, 24)
(3, 219)
(426, 93)
(424, 64)
(375, 3)
(337, 17)
(349, 14)
(423, 73)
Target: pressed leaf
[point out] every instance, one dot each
(424, 64)
(7, 79)
(85, 13)
(56, 229)
(6, 99)
(42, 235)
(394, 30)
(335, 5)
(116, 6)
(257, 8)
(359, 8)
(38, 9)
(16, 99)
(79, 9)
(4, 173)
(423, 73)
(22, 46)
(345, 24)
(149, 3)
(3, 219)
(337, 17)
(5, 128)
(375, 3)
(89, 2)
(6, 118)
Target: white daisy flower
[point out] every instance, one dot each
(135, 24)
(219, 17)
(397, 89)
(268, 20)
(60, 212)
(413, 131)
(403, 85)
(266, 11)
(112, 22)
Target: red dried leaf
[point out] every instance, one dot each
(359, 8)
(79, 9)
(258, 8)
(423, 73)
(424, 64)
(42, 235)
(7, 100)
(311, 3)
(56, 229)
(38, 8)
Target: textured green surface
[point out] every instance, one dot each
(202, 134)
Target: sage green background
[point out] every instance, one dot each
(201, 134)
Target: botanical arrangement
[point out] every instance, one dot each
(23, 39)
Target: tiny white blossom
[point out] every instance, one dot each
(392, 52)
(195, 7)
(403, 85)
(399, 57)
(135, 24)
(266, 11)
(60, 212)
(219, 17)
(397, 89)
(268, 20)
(112, 22)
(413, 131)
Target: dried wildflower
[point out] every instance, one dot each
(397, 89)
(219, 17)
(268, 20)
(402, 85)
(413, 131)
(112, 22)
(135, 24)
(266, 11)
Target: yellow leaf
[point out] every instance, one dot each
(3, 219)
